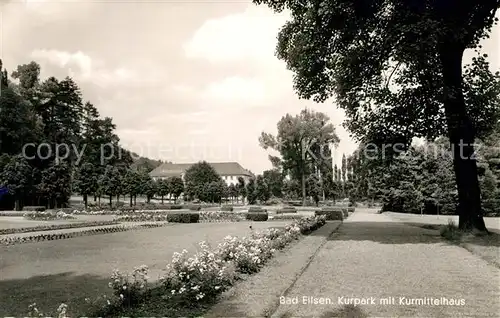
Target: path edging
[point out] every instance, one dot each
(238, 301)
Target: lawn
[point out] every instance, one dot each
(71, 270)
(8, 222)
(486, 247)
(491, 223)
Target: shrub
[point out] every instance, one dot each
(130, 288)
(351, 209)
(34, 208)
(331, 214)
(288, 217)
(257, 216)
(175, 207)
(294, 203)
(48, 215)
(221, 216)
(287, 209)
(127, 209)
(200, 277)
(227, 208)
(183, 217)
(451, 232)
(256, 209)
(141, 217)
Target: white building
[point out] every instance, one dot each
(229, 171)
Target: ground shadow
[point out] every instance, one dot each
(49, 291)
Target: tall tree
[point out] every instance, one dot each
(359, 50)
(85, 181)
(15, 177)
(262, 192)
(240, 187)
(176, 187)
(250, 191)
(163, 188)
(274, 180)
(299, 139)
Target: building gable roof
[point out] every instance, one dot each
(222, 168)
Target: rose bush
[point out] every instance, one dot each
(48, 215)
(209, 271)
(221, 216)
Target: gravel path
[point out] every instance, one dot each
(373, 255)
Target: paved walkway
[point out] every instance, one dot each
(374, 259)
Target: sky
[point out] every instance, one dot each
(184, 81)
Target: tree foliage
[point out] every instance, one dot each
(395, 67)
(303, 142)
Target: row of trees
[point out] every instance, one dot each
(422, 179)
(47, 135)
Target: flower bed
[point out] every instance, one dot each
(221, 216)
(193, 280)
(142, 217)
(211, 271)
(59, 236)
(288, 217)
(12, 213)
(52, 227)
(48, 216)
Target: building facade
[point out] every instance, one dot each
(229, 171)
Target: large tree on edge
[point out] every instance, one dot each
(346, 49)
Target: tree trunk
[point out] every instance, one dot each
(462, 136)
(303, 182)
(131, 198)
(135, 200)
(162, 199)
(85, 200)
(17, 205)
(95, 198)
(110, 201)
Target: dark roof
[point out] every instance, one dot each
(222, 168)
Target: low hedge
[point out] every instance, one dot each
(142, 217)
(52, 227)
(286, 209)
(288, 217)
(59, 236)
(187, 217)
(12, 213)
(332, 214)
(227, 208)
(351, 209)
(256, 209)
(34, 208)
(221, 216)
(258, 216)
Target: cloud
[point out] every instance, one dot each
(250, 35)
(236, 89)
(82, 67)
